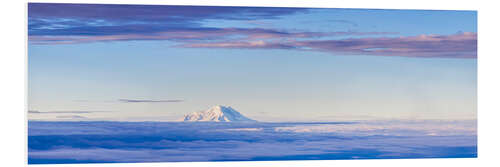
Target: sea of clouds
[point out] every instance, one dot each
(103, 142)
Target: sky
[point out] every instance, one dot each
(157, 62)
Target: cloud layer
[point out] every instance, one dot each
(84, 23)
(92, 142)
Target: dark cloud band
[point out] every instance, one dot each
(106, 19)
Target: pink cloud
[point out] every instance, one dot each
(187, 36)
(460, 45)
(182, 35)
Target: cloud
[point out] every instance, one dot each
(395, 128)
(154, 12)
(184, 35)
(105, 19)
(65, 112)
(163, 141)
(460, 45)
(84, 23)
(148, 101)
(191, 36)
(71, 117)
(33, 111)
(247, 45)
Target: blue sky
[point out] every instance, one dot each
(134, 63)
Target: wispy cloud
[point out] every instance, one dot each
(33, 111)
(71, 117)
(64, 112)
(460, 45)
(260, 44)
(179, 35)
(196, 35)
(104, 19)
(148, 101)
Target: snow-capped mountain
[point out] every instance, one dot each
(217, 114)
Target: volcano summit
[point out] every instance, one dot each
(216, 114)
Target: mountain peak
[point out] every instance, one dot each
(218, 113)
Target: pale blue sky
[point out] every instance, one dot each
(281, 80)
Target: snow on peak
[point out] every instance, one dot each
(217, 113)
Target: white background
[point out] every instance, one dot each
(13, 59)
